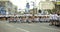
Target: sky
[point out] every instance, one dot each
(21, 4)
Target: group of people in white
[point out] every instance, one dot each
(53, 17)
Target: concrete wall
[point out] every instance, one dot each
(9, 7)
(45, 5)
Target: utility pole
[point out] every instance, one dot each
(34, 8)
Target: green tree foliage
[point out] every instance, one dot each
(39, 11)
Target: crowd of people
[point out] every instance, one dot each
(28, 19)
(53, 18)
(18, 19)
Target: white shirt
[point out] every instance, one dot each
(36, 19)
(54, 17)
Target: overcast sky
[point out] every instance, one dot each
(22, 3)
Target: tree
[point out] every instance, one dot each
(39, 11)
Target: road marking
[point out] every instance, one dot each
(30, 24)
(16, 28)
(1, 22)
(9, 25)
(23, 30)
(50, 28)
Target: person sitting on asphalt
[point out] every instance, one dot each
(14, 19)
(36, 20)
(18, 20)
(10, 19)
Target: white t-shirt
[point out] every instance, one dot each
(54, 17)
(36, 19)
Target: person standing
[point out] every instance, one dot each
(53, 19)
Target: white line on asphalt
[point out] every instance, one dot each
(50, 28)
(9, 25)
(1, 21)
(23, 30)
(30, 24)
(16, 28)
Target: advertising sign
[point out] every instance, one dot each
(27, 5)
(27, 8)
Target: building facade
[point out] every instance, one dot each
(6, 7)
(45, 5)
(2, 7)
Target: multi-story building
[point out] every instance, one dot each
(13, 9)
(45, 5)
(6, 7)
(2, 7)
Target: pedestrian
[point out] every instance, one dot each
(53, 19)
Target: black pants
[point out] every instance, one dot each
(52, 21)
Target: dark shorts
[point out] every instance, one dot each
(53, 20)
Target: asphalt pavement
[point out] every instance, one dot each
(27, 27)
